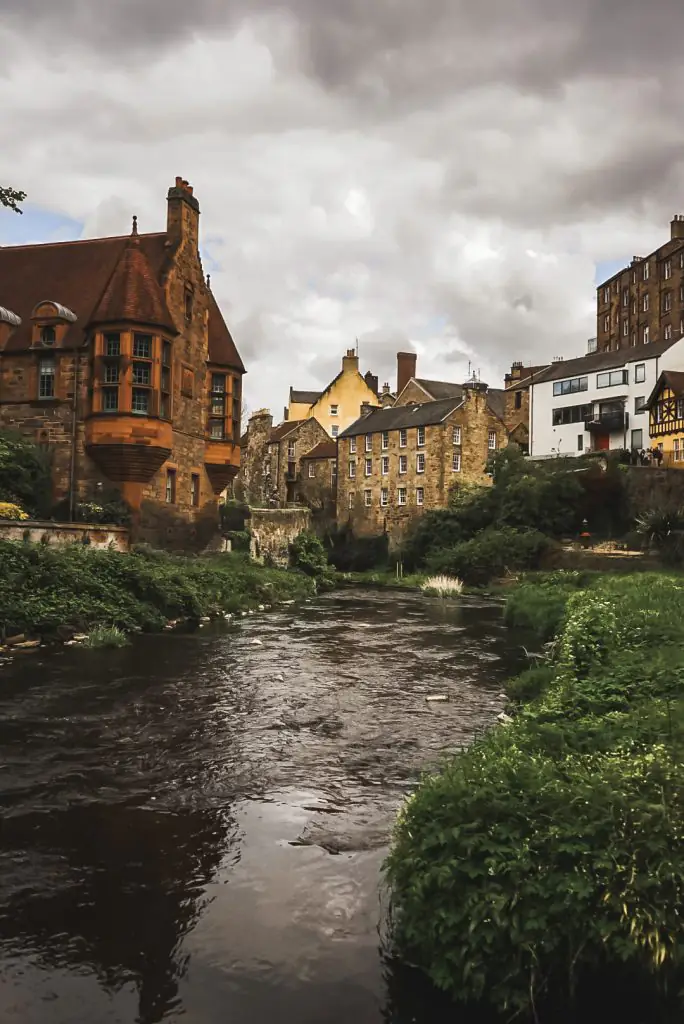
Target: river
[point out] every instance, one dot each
(193, 826)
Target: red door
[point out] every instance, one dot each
(602, 442)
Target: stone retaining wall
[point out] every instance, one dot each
(96, 535)
(273, 530)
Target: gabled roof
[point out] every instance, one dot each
(399, 417)
(323, 450)
(496, 400)
(674, 379)
(598, 361)
(304, 397)
(283, 429)
(82, 274)
(438, 389)
(133, 292)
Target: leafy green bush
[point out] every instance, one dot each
(491, 554)
(106, 636)
(348, 553)
(531, 683)
(110, 508)
(25, 478)
(538, 607)
(551, 852)
(308, 554)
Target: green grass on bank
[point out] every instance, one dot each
(44, 590)
(552, 851)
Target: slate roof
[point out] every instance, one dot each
(496, 400)
(400, 416)
(304, 397)
(323, 450)
(90, 276)
(283, 429)
(598, 361)
(439, 389)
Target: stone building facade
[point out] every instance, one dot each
(396, 463)
(337, 406)
(272, 474)
(126, 372)
(644, 302)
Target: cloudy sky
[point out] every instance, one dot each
(447, 176)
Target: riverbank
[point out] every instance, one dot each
(52, 593)
(546, 861)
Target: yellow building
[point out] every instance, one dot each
(339, 405)
(666, 417)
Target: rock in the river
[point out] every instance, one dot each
(261, 608)
(437, 698)
(256, 642)
(504, 718)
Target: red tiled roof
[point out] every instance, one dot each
(323, 450)
(222, 348)
(283, 429)
(133, 292)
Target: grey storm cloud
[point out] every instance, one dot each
(439, 176)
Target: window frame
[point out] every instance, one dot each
(420, 496)
(385, 465)
(401, 496)
(420, 437)
(457, 433)
(403, 437)
(49, 375)
(639, 378)
(195, 490)
(352, 446)
(420, 462)
(610, 383)
(170, 490)
(403, 465)
(367, 467)
(367, 498)
(456, 462)
(384, 497)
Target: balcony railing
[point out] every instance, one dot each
(606, 423)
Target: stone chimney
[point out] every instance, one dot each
(371, 381)
(677, 226)
(515, 374)
(366, 409)
(183, 212)
(406, 368)
(386, 389)
(350, 362)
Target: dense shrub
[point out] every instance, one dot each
(110, 508)
(491, 554)
(25, 474)
(551, 852)
(8, 510)
(539, 605)
(43, 589)
(308, 554)
(349, 553)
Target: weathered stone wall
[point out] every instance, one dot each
(307, 435)
(253, 483)
(412, 394)
(95, 535)
(319, 492)
(273, 530)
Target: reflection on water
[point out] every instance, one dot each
(193, 826)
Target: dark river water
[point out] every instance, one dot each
(193, 827)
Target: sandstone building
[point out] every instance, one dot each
(395, 463)
(643, 303)
(272, 474)
(114, 354)
(337, 405)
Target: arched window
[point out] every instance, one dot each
(47, 335)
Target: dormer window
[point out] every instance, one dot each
(48, 335)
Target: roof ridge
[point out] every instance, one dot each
(83, 241)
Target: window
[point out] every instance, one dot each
(625, 328)
(140, 401)
(218, 404)
(580, 442)
(518, 399)
(637, 438)
(625, 296)
(47, 335)
(334, 409)
(420, 437)
(384, 497)
(165, 404)
(456, 462)
(606, 323)
(570, 387)
(667, 302)
(111, 373)
(352, 470)
(291, 449)
(385, 465)
(571, 414)
(367, 498)
(333, 475)
(420, 496)
(667, 270)
(403, 464)
(110, 399)
(368, 467)
(188, 304)
(633, 339)
(645, 302)
(141, 373)
(401, 495)
(456, 435)
(334, 430)
(634, 307)
(217, 430)
(171, 486)
(606, 294)
(142, 346)
(640, 373)
(645, 271)
(639, 404)
(680, 409)
(646, 336)
(112, 344)
(676, 450)
(194, 490)
(667, 333)
(312, 470)
(403, 438)
(46, 378)
(420, 463)
(350, 503)
(612, 379)
(352, 446)
(385, 440)
(369, 442)
(491, 440)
